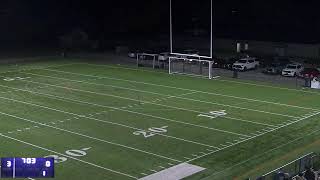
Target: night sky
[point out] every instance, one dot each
(45, 20)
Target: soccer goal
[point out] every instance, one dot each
(145, 59)
(191, 65)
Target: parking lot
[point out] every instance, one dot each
(257, 75)
(250, 75)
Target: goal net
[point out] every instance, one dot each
(145, 59)
(191, 65)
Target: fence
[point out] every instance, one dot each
(311, 160)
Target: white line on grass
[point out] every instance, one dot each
(153, 170)
(90, 137)
(178, 88)
(252, 122)
(109, 122)
(147, 115)
(149, 92)
(103, 94)
(39, 68)
(262, 154)
(238, 82)
(71, 157)
(213, 152)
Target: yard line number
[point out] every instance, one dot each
(213, 114)
(150, 132)
(15, 78)
(72, 152)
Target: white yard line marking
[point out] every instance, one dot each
(178, 97)
(109, 122)
(262, 154)
(133, 112)
(280, 127)
(90, 137)
(173, 87)
(252, 122)
(103, 94)
(39, 68)
(65, 155)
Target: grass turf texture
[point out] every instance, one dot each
(93, 119)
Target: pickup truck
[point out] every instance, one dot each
(246, 64)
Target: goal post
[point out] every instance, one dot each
(146, 59)
(191, 65)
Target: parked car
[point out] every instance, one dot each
(164, 56)
(224, 63)
(246, 64)
(189, 55)
(292, 70)
(276, 66)
(133, 53)
(310, 73)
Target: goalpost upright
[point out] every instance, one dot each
(211, 28)
(189, 60)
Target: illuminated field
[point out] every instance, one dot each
(114, 122)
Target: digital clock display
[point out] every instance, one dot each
(27, 167)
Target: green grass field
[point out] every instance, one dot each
(118, 122)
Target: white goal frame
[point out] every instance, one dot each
(189, 58)
(154, 59)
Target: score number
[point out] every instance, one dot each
(151, 131)
(29, 160)
(214, 114)
(9, 164)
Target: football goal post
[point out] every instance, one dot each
(191, 65)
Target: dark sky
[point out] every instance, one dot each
(274, 20)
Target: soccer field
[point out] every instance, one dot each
(115, 122)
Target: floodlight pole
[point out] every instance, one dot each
(171, 51)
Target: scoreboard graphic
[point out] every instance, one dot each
(27, 168)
